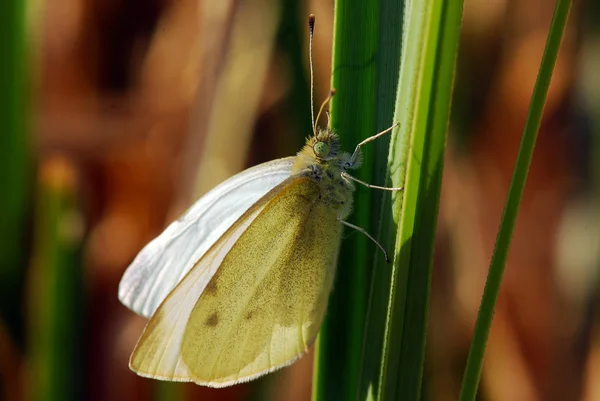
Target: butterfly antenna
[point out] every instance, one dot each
(331, 93)
(311, 30)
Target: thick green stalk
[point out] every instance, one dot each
(431, 38)
(492, 286)
(387, 63)
(365, 62)
(353, 118)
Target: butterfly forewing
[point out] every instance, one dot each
(164, 261)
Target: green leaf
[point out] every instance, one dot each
(515, 193)
(365, 63)
(366, 59)
(416, 159)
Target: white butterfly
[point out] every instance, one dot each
(238, 286)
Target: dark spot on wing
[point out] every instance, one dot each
(211, 287)
(249, 315)
(213, 320)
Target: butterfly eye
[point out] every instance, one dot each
(321, 149)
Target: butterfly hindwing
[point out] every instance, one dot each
(264, 305)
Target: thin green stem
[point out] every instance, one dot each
(492, 287)
(56, 295)
(15, 163)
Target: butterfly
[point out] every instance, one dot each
(238, 286)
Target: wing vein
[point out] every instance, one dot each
(173, 327)
(242, 353)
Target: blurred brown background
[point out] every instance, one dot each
(139, 107)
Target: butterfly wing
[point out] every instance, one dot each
(264, 305)
(167, 259)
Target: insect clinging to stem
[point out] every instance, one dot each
(238, 286)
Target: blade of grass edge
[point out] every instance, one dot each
(474, 366)
(423, 103)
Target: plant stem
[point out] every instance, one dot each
(474, 366)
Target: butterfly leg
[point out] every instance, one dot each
(356, 153)
(347, 176)
(362, 230)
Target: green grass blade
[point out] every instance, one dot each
(15, 170)
(365, 63)
(365, 66)
(353, 117)
(388, 64)
(57, 290)
(492, 287)
(416, 157)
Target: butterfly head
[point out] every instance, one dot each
(325, 145)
